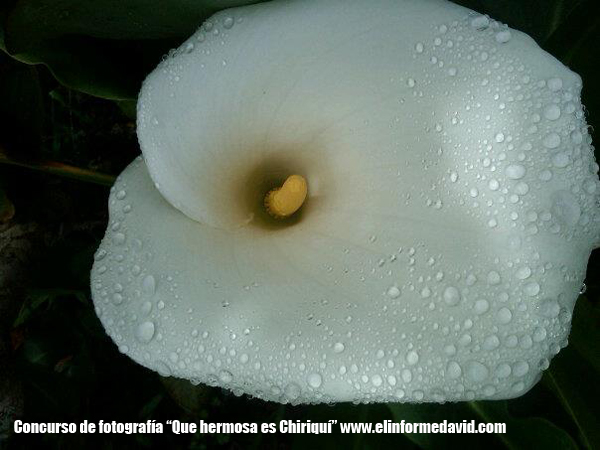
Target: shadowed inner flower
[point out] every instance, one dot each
(272, 192)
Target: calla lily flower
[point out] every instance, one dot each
(366, 201)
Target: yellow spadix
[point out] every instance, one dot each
(284, 201)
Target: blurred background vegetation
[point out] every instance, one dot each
(69, 75)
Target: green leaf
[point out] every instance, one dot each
(96, 46)
(524, 433)
(423, 413)
(42, 298)
(577, 44)
(538, 18)
(575, 384)
(521, 433)
(148, 409)
(189, 397)
(129, 108)
(585, 330)
(573, 374)
(578, 26)
(108, 69)
(35, 352)
(103, 47)
(110, 19)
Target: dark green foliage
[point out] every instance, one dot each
(70, 369)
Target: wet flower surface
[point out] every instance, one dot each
(450, 211)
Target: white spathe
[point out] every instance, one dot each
(453, 205)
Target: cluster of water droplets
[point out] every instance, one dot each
(520, 145)
(211, 35)
(517, 161)
(417, 343)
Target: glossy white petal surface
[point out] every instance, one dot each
(452, 206)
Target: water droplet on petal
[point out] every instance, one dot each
(451, 296)
(493, 277)
(412, 357)
(523, 273)
(453, 370)
(480, 22)
(549, 308)
(476, 371)
(503, 36)
(145, 332)
(292, 391)
(503, 370)
(481, 306)
(532, 289)
(149, 285)
(552, 112)
(338, 347)
(393, 292)
(552, 140)
(491, 342)
(515, 171)
(225, 376)
(504, 316)
(146, 308)
(228, 23)
(314, 380)
(520, 368)
(555, 84)
(376, 380)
